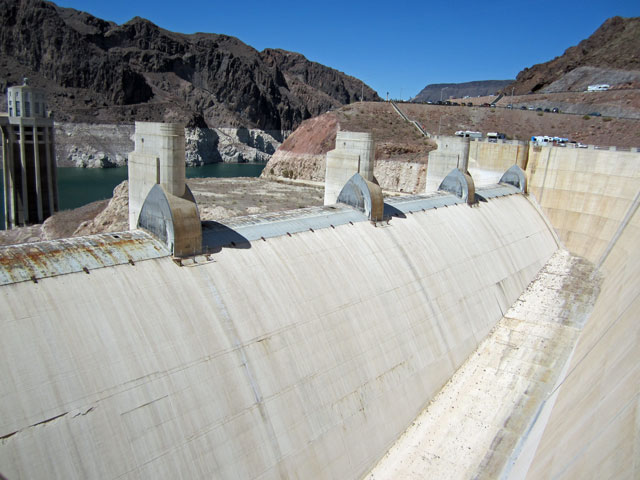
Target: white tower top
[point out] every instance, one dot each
(26, 101)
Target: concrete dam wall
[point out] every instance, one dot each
(302, 350)
(590, 426)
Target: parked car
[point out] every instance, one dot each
(523, 107)
(594, 114)
(555, 110)
(469, 104)
(538, 109)
(547, 110)
(510, 106)
(531, 108)
(493, 105)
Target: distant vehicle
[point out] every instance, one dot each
(594, 114)
(468, 133)
(546, 140)
(495, 136)
(531, 108)
(510, 106)
(455, 104)
(555, 110)
(523, 107)
(469, 104)
(547, 110)
(447, 102)
(464, 104)
(603, 87)
(429, 102)
(493, 105)
(486, 105)
(581, 145)
(538, 109)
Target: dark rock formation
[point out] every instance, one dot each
(98, 71)
(431, 93)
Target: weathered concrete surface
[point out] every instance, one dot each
(354, 153)
(487, 160)
(477, 420)
(448, 156)
(153, 370)
(593, 429)
(584, 193)
(581, 422)
(365, 196)
(157, 159)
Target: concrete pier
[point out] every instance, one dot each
(354, 153)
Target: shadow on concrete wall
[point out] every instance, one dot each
(216, 236)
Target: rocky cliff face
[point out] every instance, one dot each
(106, 145)
(97, 71)
(613, 47)
(459, 90)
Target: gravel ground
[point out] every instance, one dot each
(217, 198)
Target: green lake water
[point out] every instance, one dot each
(80, 186)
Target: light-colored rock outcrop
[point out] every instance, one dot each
(408, 177)
(92, 146)
(106, 145)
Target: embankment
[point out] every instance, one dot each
(300, 356)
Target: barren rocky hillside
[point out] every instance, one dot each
(301, 156)
(99, 72)
(613, 48)
(434, 92)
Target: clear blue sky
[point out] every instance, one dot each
(397, 47)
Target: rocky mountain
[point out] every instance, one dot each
(98, 71)
(433, 92)
(612, 54)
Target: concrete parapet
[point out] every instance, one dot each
(158, 158)
(354, 153)
(459, 184)
(364, 195)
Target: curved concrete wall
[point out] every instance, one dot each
(301, 356)
(593, 428)
(584, 193)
